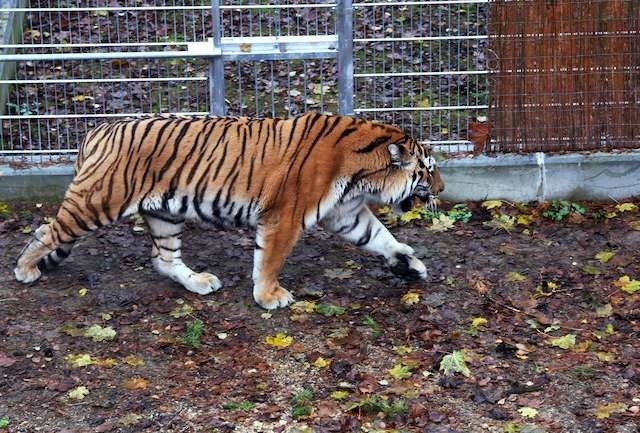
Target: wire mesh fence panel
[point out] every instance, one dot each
(567, 75)
(276, 87)
(87, 62)
(421, 65)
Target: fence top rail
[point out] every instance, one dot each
(171, 7)
(418, 3)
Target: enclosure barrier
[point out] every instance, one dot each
(417, 64)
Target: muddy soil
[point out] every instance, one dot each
(526, 288)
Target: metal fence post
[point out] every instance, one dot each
(345, 56)
(216, 66)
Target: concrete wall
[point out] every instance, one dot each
(524, 178)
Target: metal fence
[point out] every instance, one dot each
(418, 64)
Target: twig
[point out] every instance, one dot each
(9, 299)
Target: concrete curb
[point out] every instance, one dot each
(523, 178)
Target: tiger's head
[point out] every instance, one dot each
(415, 165)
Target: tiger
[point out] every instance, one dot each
(278, 176)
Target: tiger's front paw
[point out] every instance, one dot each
(202, 283)
(408, 266)
(273, 298)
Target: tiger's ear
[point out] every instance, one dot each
(395, 152)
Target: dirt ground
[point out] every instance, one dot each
(366, 354)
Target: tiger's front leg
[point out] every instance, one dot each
(355, 222)
(274, 242)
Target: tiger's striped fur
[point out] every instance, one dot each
(278, 176)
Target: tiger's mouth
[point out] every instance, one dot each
(425, 195)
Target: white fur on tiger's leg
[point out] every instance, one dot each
(166, 257)
(273, 245)
(356, 223)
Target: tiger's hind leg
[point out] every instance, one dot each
(50, 245)
(166, 256)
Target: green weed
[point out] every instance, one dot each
(193, 333)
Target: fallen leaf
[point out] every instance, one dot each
(605, 256)
(635, 225)
(133, 360)
(402, 350)
(78, 393)
(627, 285)
(303, 307)
(501, 221)
(338, 273)
(82, 291)
(477, 322)
(279, 341)
(329, 310)
(605, 310)
(136, 383)
(605, 410)
(6, 361)
(130, 419)
(181, 310)
(491, 204)
(320, 362)
(606, 356)
(400, 371)
(515, 277)
(79, 360)
(565, 342)
(339, 395)
(528, 412)
(627, 207)
(412, 297)
(106, 363)
(98, 333)
(442, 223)
(454, 363)
(525, 220)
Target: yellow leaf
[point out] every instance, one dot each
(444, 131)
(81, 98)
(491, 204)
(400, 371)
(82, 291)
(79, 359)
(442, 223)
(414, 214)
(525, 220)
(181, 310)
(279, 341)
(610, 215)
(627, 207)
(528, 412)
(606, 356)
(627, 285)
(516, 277)
(78, 393)
(410, 298)
(609, 329)
(477, 322)
(339, 395)
(133, 360)
(605, 256)
(566, 342)
(402, 350)
(98, 333)
(106, 363)
(635, 225)
(136, 383)
(303, 307)
(605, 410)
(320, 362)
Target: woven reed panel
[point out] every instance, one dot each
(565, 75)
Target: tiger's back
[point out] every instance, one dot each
(280, 176)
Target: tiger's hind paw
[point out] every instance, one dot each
(408, 266)
(202, 283)
(272, 299)
(27, 275)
